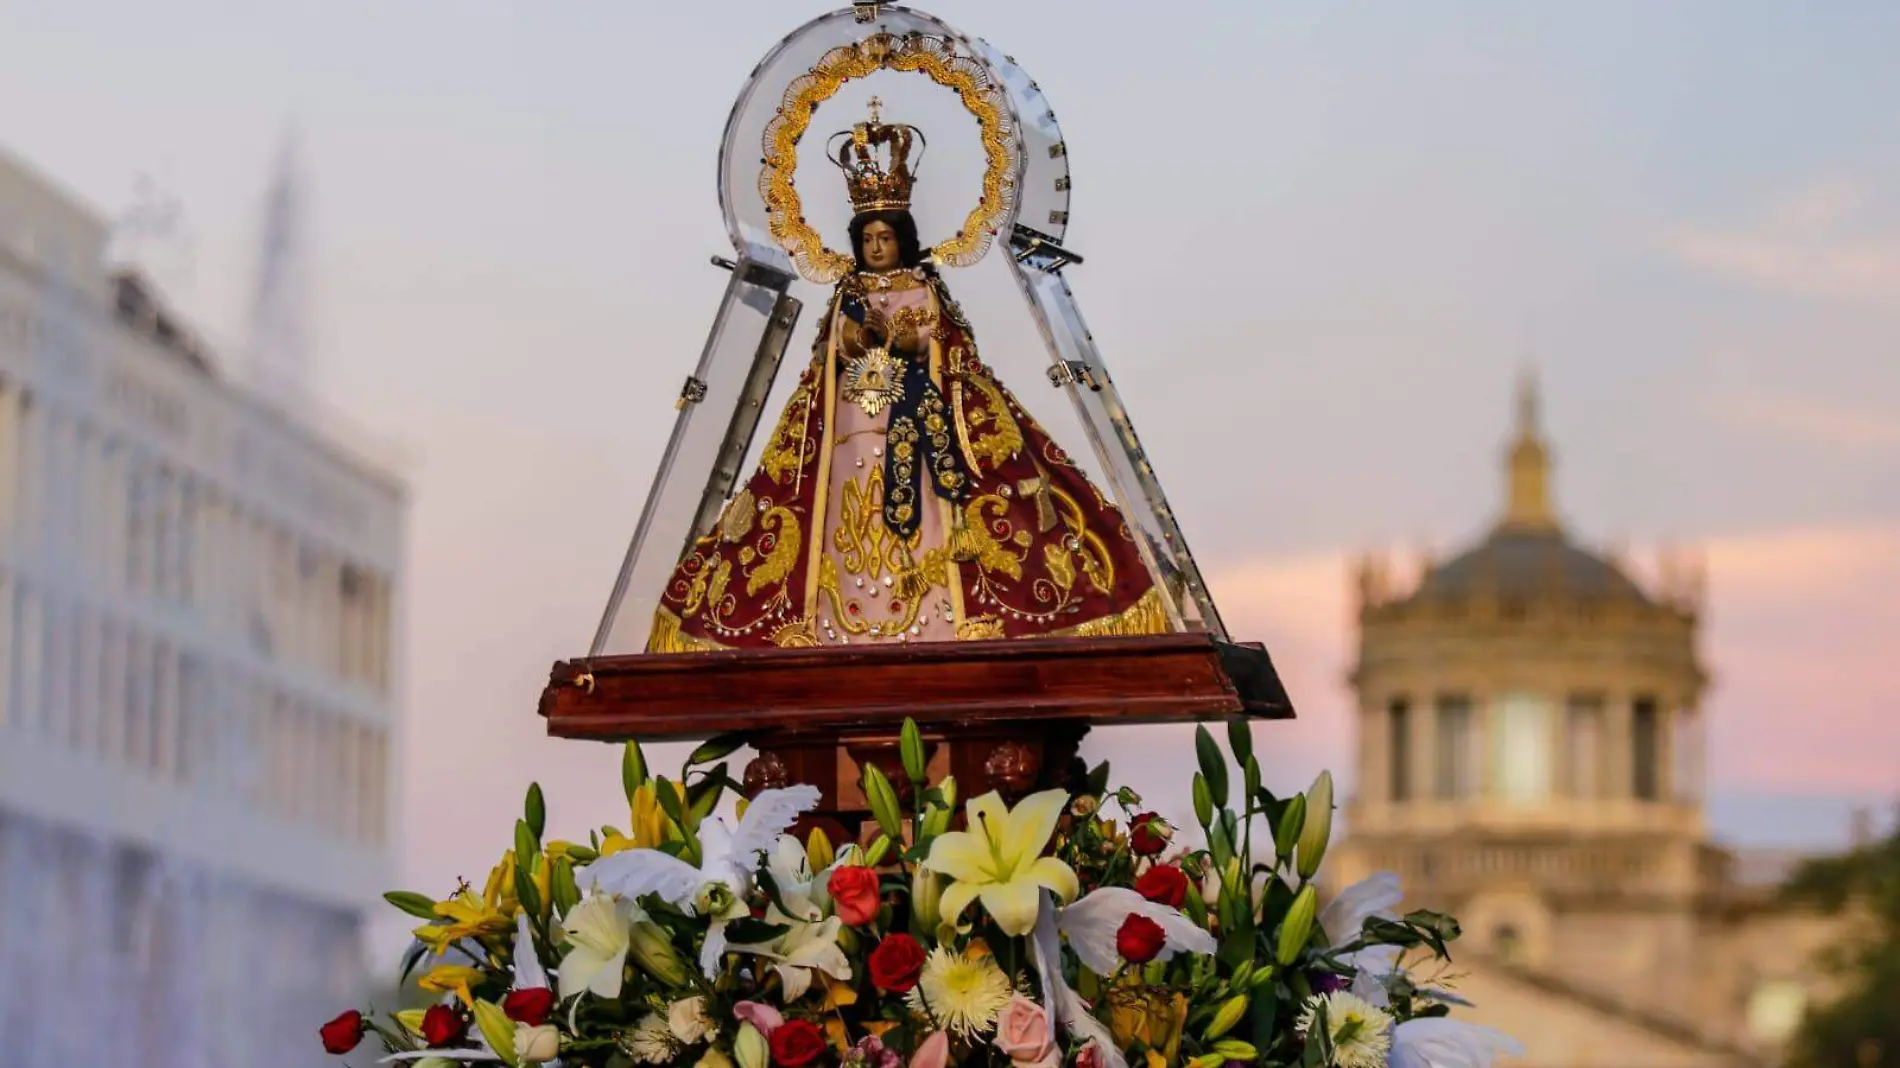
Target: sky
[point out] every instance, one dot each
(1322, 239)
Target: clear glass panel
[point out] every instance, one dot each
(719, 411)
(1018, 303)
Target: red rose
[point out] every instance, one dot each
(443, 1026)
(896, 963)
(343, 1033)
(1163, 884)
(1149, 834)
(530, 1006)
(1140, 939)
(854, 890)
(796, 1043)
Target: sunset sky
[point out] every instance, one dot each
(1322, 239)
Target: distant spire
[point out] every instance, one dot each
(278, 343)
(1527, 471)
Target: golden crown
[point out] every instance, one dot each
(878, 182)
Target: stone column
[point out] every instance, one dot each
(1622, 767)
(1425, 747)
(10, 452)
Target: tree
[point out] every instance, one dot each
(1860, 1028)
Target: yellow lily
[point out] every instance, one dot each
(456, 978)
(651, 825)
(468, 917)
(999, 860)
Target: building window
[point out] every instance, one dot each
(1507, 943)
(1399, 750)
(1645, 749)
(1583, 761)
(1456, 777)
(1521, 748)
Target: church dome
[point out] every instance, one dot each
(1528, 555)
(1518, 563)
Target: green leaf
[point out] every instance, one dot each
(912, 745)
(703, 796)
(1250, 769)
(1240, 739)
(633, 770)
(498, 1029)
(1097, 783)
(1220, 844)
(716, 748)
(412, 957)
(414, 904)
(751, 932)
(1213, 765)
(669, 800)
(537, 811)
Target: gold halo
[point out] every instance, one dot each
(935, 57)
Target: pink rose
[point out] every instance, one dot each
(1024, 1035)
(760, 1015)
(1091, 1056)
(934, 1052)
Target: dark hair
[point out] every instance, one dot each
(910, 252)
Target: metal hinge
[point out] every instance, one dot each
(1070, 372)
(692, 392)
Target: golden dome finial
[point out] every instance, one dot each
(1527, 470)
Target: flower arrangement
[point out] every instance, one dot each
(1041, 935)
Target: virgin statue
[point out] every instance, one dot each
(904, 495)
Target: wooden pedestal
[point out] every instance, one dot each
(1001, 715)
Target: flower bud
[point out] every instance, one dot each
(750, 1047)
(1235, 1050)
(712, 1058)
(1297, 928)
(818, 851)
(926, 893)
(538, 1044)
(912, 747)
(1230, 1014)
(1319, 825)
(715, 899)
(655, 955)
(1207, 1060)
(1287, 834)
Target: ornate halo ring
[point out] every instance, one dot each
(935, 57)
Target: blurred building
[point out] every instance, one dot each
(1530, 746)
(197, 680)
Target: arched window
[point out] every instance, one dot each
(1507, 943)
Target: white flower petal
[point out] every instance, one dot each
(1092, 923)
(1442, 1042)
(529, 973)
(1345, 915)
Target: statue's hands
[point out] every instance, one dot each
(876, 327)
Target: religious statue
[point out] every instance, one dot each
(905, 495)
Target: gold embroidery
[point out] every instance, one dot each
(976, 542)
(1146, 616)
(782, 556)
(1061, 569)
(736, 522)
(782, 455)
(800, 635)
(716, 593)
(1005, 438)
(980, 629)
(668, 638)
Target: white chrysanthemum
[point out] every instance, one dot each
(650, 1042)
(963, 994)
(1361, 1032)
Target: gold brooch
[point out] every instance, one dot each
(874, 380)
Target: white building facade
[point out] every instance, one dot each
(198, 681)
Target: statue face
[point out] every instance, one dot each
(881, 252)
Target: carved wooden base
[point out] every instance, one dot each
(1003, 715)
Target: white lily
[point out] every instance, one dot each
(806, 896)
(1092, 923)
(717, 887)
(1442, 1042)
(599, 932)
(803, 952)
(529, 973)
(1343, 918)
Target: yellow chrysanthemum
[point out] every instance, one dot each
(963, 994)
